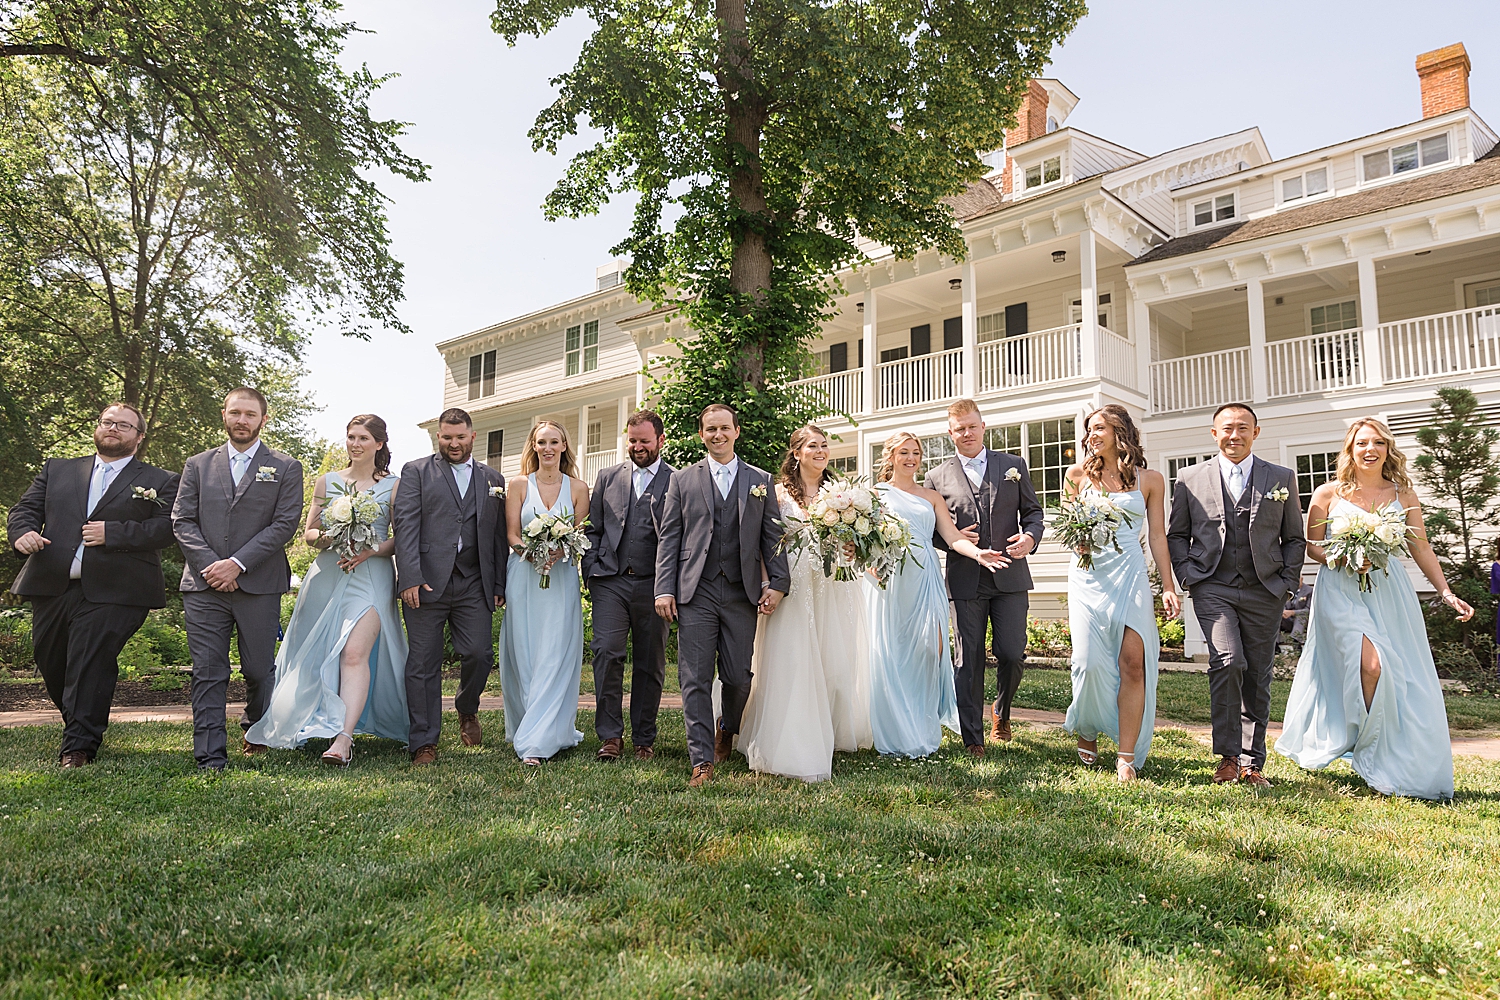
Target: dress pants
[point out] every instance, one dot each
(625, 609)
(1005, 614)
(77, 643)
(1241, 625)
(212, 617)
(469, 614)
(717, 627)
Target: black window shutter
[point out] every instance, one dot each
(861, 353)
(838, 357)
(921, 340)
(953, 333)
(1015, 320)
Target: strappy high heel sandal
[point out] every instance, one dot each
(1125, 769)
(1087, 756)
(332, 756)
(532, 762)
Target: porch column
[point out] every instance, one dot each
(1369, 319)
(1088, 280)
(1260, 382)
(622, 450)
(970, 356)
(1140, 336)
(872, 356)
(640, 377)
(582, 447)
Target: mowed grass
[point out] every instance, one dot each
(1019, 875)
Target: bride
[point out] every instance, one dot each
(811, 690)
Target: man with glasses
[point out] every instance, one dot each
(90, 530)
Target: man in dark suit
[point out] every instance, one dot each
(718, 529)
(1237, 543)
(237, 508)
(91, 529)
(449, 521)
(620, 570)
(991, 498)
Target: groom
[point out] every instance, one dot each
(1237, 543)
(718, 529)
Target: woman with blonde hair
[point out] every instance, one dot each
(912, 694)
(541, 637)
(1366, 686)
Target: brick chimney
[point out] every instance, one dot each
(1444, 74)
(1031, 123)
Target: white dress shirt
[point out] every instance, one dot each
(239, 464)
(100, 481)
(975, 467)
(723, 474)
(1226, 470)
(640, 477)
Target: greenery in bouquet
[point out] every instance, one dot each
(548, 538)
(849, 512)
(349, 518)
(1089, 523)
(1364, 542)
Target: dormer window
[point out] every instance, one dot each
(1214, 210)
(1308, 184)
(1406, 157)
(1046, 172)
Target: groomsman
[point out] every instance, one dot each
(91, 529)
(1237, 543)
(718, 530)
(451, 547)
(991, 498)
(237, 508)
(620, 571)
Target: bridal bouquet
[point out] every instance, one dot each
(850, 512)
(1090, 521)
(349, 519)
(552, 535)
(1369, 536)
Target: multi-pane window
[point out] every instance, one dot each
(595, 438)
(494, 449)
(1484, 294)
(1214, 210)
(1333, 316)
(1307, 184)
(1314, 469)
(1177, 464)
(1046, 172)
(1006, 438)
(846, 465)
(895, 354)
(1405, 157)
(1050, 450)
(482, 375)
(1106, 311)
(581, 347)
(992, 327)
(822, 362)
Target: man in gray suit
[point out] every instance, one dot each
(993, 502)
(620, 571)
(718, 529)
(237, 508)
(1237, 543)
(448, 518)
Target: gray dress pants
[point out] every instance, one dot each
(1241, 625)
(469, 613)
(212, 617)
(715, 628)
(625, 611)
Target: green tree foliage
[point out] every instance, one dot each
(762, 139)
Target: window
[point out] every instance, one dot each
(1214, 210)
(1106, 311)
(1314, 469)
(822, 363)
(1006, 438)
(581, 348)
(1406, 157)
(494, 449)
(1176, 465)
(482, 375)
(1333, 316)
(1050, 450)
(595, 437)
(991, 327)
(1046, 172)
(1483, 293)
(1308, 184)
(894, 354)
(846, 465)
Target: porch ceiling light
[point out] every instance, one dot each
(860, 306)
(1058, 256)
(954, 284)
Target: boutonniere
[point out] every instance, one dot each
(265, 474)
(498, 492)
(1014, 475)
(1279, 494)
(758, 490)
(141, 493)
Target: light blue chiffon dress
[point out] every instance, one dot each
(1400, 746)
(912, 696)
(541, 645)
(1103, 601)
(305, 702)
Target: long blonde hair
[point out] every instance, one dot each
(530, 463)
(887, 469)
(1393, 469)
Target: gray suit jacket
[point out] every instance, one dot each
(608, 506)
(687, 524)
(1013, 508)
(213, 519)
(424, 519)
(1195, 531)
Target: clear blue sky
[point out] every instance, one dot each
(1150, 76)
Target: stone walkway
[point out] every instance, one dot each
(1486, 746)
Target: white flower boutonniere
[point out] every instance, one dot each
(141, 493)
(265, 474)
(1014, 475)
(1279, 494)
(759, 490)
(498, 492)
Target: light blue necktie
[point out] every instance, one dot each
(1236, 483)
(461, 475)
(640, 481)
(98, 486)
(721, 478)
(238, 463)
(974, 469)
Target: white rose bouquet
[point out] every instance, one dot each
(1089, 521)
(546, 538)
(1369, 536)
(850, 512)
(349, 518)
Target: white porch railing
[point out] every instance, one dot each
(924, 379)
(1200, 380)
(1446, 344)
(1323, 362)
(1031, 359)
(597, 462)
(840, 392)
(1116, 358)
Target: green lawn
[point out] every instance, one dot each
(1019, 875)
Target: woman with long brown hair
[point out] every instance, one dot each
(1366, 684)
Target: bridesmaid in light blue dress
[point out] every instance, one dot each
(541, 636)
(1110, 610)
(912, 696)
(341, 668)
(1366, 688)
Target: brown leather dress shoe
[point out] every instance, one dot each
(1227, 771)
(702, 775)
(644, 753)
(723, 745)
(251, 749)
(75, 758)
(469, 732)
(424, 755)
(1252, 776)
(1000, 731)
(611, 749)
(975, 750)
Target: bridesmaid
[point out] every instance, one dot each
(1110, 610)
(1366, 686)
(541, 636)
(911, 666)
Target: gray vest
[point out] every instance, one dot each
(637, 552)
(984, 499)
(467, 563)
(1237, 565)
(723, 557)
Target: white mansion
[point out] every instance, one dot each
(1347, 280)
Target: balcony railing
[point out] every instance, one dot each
(841, 392)
(925, 379)
(1116, 358)
(1031, 359)
(596, 462)
(1324, 362)
(1447, 344)
(1200, 380)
